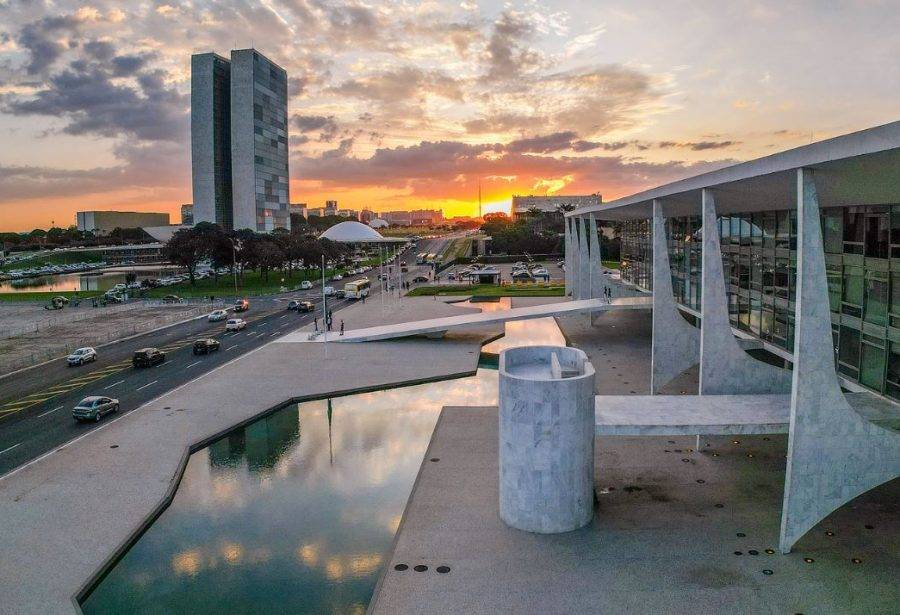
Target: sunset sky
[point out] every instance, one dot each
(400, 105)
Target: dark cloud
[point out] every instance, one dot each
(697, 146)
(310, 123)
(586, 146)
(127, 65)
(435, 169)
(543, 144)
(41, 39)
(508, 55)
(100, 50)
(85, 95)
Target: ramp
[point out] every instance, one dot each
(434, 326)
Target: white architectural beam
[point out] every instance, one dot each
(726, 369)
(569, 251)
(834, 454)
(675, 346)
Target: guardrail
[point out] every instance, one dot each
(21, 359)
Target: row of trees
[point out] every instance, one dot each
(58, 237)
(539, 232)
(245, 249)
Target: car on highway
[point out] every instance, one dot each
(305, 285)
(337, 277)
(328, 290)
(172, 299)
(306, 306)
(93, 408)
(206, 345)
(241, 305)
(148, 357)
(235, 324)
(419, 279)
(82, 356)
(217, 315)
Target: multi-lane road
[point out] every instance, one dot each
(36, 404)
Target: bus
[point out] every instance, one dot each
(431, 259)
(421, 258)
(357, 289)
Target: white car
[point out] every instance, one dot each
(337, 277)
(328, 290)
(235, 324)
(217, 315)
(82, 356)
(305, 285)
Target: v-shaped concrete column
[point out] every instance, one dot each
(725, 369)
(584, 261)
(569, 251)
(834, 454)
(675, 346)
(597, 279)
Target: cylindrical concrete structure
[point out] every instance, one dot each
(546, 438)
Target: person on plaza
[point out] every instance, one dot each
(342, 326)
(316, 323)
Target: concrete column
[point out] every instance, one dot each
(546, 438)
(584, 260)
(726, 369)
(675, 346)
(576, 254)
(834, 453)
(569, 246)
(596, 267)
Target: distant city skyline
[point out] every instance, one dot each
(405, 106)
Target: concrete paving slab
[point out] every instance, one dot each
(673, 545)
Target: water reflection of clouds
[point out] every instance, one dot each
(292, 497)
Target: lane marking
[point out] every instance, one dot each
(193, 364)
(49, 411)
(6, 450)
(231, 347)
(147, 385)
(283, 317)
(274, 334)
(114, 384)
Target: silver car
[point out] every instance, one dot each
(94, 407)
(82, 356)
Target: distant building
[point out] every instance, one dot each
(299, 209)
(187, 214)
(104, 222)
(239, 141)
(315, 211)
(367, 215)
(552, 204)
(331, 208)
(348, 213)
(416, 217)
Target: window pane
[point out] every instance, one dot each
(833, 230)
(876, 298)
(871, 371)
(849, 350)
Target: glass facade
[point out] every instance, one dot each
(759, 258)
(222, 142)
(270, 147)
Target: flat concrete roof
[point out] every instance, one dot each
(860, 168)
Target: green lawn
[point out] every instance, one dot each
(54, 258)
(492, 290)
(46, 296)
(610, 264)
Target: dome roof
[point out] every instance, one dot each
(378, 223)
(351, 232)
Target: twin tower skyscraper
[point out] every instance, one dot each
(239, 141)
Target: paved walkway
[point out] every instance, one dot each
(440, 325)
(673, 532)
(67, 515)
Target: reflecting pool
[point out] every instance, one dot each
(295, 512)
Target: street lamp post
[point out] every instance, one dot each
(236, 246)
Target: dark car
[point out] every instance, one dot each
(242, 305)
(172, 299)
(205, 346)
(420, 279)
(147, 357)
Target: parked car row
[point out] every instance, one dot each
(31, 272)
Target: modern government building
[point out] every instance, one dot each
(780, 277)
(239, 141)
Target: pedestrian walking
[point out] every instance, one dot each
(315, 323)
(342, 326)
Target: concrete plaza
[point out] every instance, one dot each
(675, 531)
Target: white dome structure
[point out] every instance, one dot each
(352, 232)
(378, 223)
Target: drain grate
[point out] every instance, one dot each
(738, 553)
(434, 459)
(808, 560)
(768, 572)
(401, 567)
(770, 551)
(701, 481)
(420, 568)
(741, 535)
(113, 446)
(443, 569)
(753, 552)
(720, 506)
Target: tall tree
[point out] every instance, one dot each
(186, 248)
